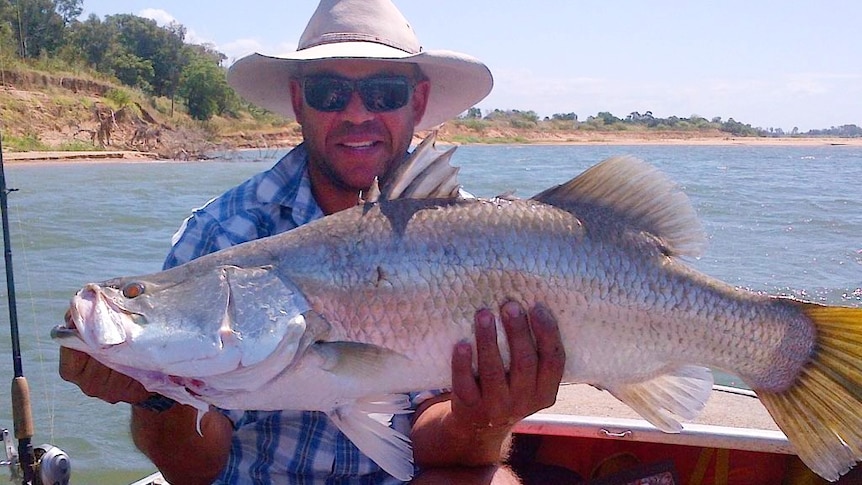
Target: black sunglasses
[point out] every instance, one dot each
(378, 93)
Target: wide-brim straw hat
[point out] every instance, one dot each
(364, 29)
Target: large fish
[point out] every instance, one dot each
(344, 314)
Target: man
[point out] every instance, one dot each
(359, 85)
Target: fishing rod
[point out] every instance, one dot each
(46, 463)
(22, 415)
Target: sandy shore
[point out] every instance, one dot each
(592, 139)
(108, 155)
(601, 139)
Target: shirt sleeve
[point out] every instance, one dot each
(199, 234)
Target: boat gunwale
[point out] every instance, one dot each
(692, 434)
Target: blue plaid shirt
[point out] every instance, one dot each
(270, 447)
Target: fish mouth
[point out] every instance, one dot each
(68, 329)
(64, 332)
(95, 318)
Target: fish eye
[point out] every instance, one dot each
(133, 290)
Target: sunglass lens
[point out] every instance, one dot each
(379, 94)
(327, 94)
(384, 94)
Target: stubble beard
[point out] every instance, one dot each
(326, 168)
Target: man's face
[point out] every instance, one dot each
(348, 148)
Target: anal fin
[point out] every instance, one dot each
(682, 393)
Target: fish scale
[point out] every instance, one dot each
(360, 309)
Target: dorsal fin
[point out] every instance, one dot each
(425, 174)
(638, 192)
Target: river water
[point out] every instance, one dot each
(779, 219)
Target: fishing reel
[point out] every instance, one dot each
(52, 465)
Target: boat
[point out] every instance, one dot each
(590, 437)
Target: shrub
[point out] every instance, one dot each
(118, 97)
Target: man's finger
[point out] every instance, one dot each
(550, 350)
(464, 385)
(492, 374)
(524, 360)
(72, 364)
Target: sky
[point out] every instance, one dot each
(772, 64)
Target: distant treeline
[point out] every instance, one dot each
(605, 121)
(139, 53)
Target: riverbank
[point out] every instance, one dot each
(47, 156)
(48, 117)
(711, 141)
(591, 138)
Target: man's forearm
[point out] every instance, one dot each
(439, 440)
(171, 441)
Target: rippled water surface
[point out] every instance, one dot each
(779, 219)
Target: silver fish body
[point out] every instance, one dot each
(344, 313)
(407, 276)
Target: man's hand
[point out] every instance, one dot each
(496, 399)
(472, 424)
(165, 437)
(97, 380)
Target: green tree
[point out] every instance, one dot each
(140, 53)
(204, 86)
(96, 43)
(736, 128)
(69, 9)
(565, 116)
(133, 70)
(607, 118)
(8, 42)
(698, 121)
(474, 113)
(206, 50)
(39, 27)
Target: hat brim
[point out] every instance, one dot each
(457, 81)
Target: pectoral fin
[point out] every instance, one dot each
(683, 393)
(357, 359)
(366, 423)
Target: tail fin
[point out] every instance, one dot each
(822, 413)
